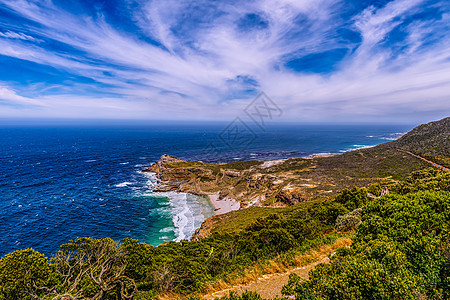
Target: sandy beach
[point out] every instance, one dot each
(223, 206)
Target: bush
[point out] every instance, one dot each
(24, 274)
(401, 251)
(349, 221)
(329, 211)
(353, 198)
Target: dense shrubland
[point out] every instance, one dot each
(401, 251)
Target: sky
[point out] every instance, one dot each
(317, 60)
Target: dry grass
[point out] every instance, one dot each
(273, 268)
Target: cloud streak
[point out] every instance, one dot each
(327, 60)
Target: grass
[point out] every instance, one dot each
(282, 264)
(236, 221)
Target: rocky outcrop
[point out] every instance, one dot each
(291, 196)
(249, 184)
(174, 174)
(205, 230)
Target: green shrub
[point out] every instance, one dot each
(23, 274)
(401, 251)
(329, 211)
(349, 221)
(353, 198)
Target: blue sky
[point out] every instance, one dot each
(319, 60)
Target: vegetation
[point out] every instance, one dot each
(85, 268)
(349, 221)
(427, 179)
(432, 139)
(401, 251)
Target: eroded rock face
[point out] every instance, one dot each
(173, 175)
(290, 196)
(205, 230)
(250, 186)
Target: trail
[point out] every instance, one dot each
(428, 161)
(269, 286)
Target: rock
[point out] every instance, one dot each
(231, 173)
(205, 230)
(174, 174)
(290, 196)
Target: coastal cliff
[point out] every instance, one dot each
(283, 183)
(250, 183)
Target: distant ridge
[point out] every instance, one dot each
(431, 139)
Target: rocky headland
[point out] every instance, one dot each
(282, 183)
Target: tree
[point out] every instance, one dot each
(24, 274)
(92, 269)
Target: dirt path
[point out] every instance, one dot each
(428, 161)
(269, 286)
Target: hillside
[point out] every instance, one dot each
(431, 140)
(290, 181)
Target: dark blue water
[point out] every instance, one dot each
(59, 183)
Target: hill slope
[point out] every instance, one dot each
(431, 140)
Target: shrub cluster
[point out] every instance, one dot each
(349, 221)
(423, 180)
(401, 251)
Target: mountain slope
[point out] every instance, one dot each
(431, 140)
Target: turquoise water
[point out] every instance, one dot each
(62, 182)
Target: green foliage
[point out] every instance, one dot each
(400, 252)
(245, 296)
(92, 268)
(329, 211)
(353, 198)
(102, 268)
(186, 267)
(349, 221)
(431, 139)
(375, 189)
(24, 274)
(423, 180)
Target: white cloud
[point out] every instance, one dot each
(16, 35)
(191, 78)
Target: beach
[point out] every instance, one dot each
(223, 206)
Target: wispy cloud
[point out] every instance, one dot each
(318, 59)
(16, 35)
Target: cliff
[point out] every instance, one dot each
(288, 182)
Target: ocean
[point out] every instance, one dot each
(60, 182)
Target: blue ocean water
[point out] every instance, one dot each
(62, 182)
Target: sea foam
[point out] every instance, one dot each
(188, 211)
(123, 184)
